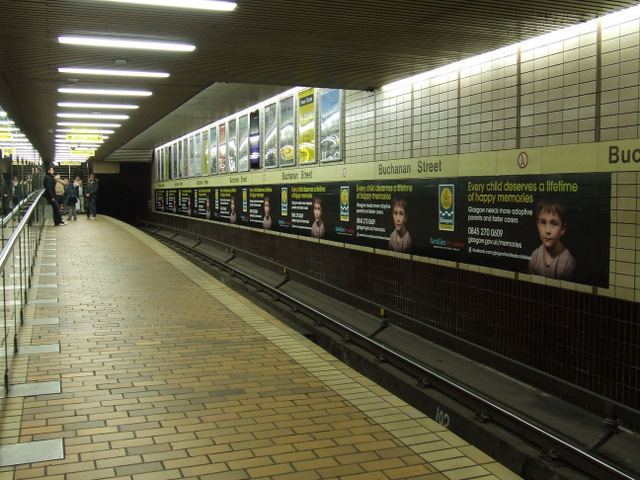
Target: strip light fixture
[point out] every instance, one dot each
(106, 91)
(110, 106)
(95, 116)
(83, 131)
(113, 73)
(211, 5)
(111, 42)
(88, 124)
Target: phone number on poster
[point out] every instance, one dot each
(485, 232)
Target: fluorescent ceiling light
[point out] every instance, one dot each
(96, 116)
(64, 141)
(106, 91)
(211, 5)
(88, 124)
(113, 106)
(113, 73)
(80, 135)
(126, 43)
(82, 131)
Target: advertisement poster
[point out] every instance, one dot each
(202, 203)
(213, 150)
(306, 127)
(286, 141)
(177, 166)
(190, 156)
(222, 149)
(196, 154)
(166, 164)
(174, 161)
(555, 226)
(254, 139)
(226, 204)
(243, 143)
(270, 146)
(171, 201)
(158, 158)
(185, 201)
(204, 154)
(263, 207)
(330, 123)
(232, 146)
(159, 203)
(184, 158)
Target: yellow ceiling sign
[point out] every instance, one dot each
(82, 152)
(84, 138)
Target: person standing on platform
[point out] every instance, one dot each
(50, 194)
(59, 191)
(92, 196)
(80, 190)
(70, 200)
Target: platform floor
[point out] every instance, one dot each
(166, 373)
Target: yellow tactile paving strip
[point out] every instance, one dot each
(168, 374)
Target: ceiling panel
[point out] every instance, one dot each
(257, 50)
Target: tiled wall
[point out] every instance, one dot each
(580, 89)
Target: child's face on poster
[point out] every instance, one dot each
(399, 217)
(317, 211)
(550, 228)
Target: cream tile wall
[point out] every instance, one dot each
(360, 118)
(488, 105)
(559, 92)
(394, 118)
(477, 109)
(620, 80)
(435, 116)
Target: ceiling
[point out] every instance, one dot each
(247, 55)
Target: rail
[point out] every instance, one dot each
(572, 453)
(17, 259)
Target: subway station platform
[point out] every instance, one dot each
(136, 364)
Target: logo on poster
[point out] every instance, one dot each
(284, 201)
(344, 204)
(446, 207)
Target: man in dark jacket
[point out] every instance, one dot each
(92, 196)
(50, 195)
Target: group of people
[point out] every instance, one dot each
(70, 197)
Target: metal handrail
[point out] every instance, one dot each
(8, 246)
(21, 248)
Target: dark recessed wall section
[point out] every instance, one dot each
(125, 196)
(532, 332)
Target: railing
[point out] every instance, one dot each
(16, 270)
